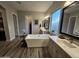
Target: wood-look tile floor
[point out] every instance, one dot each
(13, 49)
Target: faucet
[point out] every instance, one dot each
(71, 40)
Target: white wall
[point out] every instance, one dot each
(10, 22)
(22, 15)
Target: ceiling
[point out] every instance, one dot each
(36, 6)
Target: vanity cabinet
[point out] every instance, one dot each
(55, 51)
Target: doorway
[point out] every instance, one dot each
(2, 31)
(15, 24)
(30, 28)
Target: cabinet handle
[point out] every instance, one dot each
(56, 51)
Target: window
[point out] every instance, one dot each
(55, 21)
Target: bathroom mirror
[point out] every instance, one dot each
(70, 20)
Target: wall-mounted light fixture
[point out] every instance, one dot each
(46, 16)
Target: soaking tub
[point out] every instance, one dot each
(37, 40)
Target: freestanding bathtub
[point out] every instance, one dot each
(37, 40)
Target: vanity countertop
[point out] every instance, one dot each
(72, 51)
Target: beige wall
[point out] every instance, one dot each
(9, 20)
(55, 5)
(23, 21)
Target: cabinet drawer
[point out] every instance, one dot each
(56, 51)
(60, 53)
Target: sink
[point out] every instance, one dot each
(68, 44)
